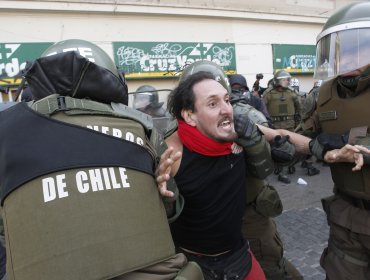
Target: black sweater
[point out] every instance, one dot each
(214, 192)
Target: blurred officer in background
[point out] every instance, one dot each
(316, 89)
(284, 108)
(240, 93)
(146, 100)
(304, 118)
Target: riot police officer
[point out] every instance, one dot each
(343, 57)
(308, 127)
(284, 108)
(240, 91)
(146, 100)
(282, 102)
(305, 124)
(78, 193)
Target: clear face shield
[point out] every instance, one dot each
(141, 100)
(284, 82)
(342, 52)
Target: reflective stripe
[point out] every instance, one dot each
(344, 26)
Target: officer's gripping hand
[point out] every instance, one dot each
(163, 172)
(245, 128)
(282, 151)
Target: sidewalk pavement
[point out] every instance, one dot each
(304, 233)
(302, 225)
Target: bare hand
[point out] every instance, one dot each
(163, 172)
(348, 153)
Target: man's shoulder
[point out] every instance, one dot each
(174, 141)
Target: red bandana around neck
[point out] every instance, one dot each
(195, 141)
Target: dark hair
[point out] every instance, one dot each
(182, 97)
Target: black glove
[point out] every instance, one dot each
(244, 126)
(326, 142)
(282, 151)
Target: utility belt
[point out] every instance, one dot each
(357, 202)
(282, 118)
(235, 264)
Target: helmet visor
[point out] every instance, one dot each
(342, 52)
(283, 82)
(141, 100)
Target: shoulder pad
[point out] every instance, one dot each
(74, 106)
(254, 115)
(326, 90)
(309, 105)
(268, 90)
(133, 114)
(172, 127)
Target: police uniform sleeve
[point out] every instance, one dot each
(257, 149)
(175, 204)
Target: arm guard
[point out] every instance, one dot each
(258, 156)
(175, 204)
(325, 142)
(282, 151)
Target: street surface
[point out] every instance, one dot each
(302, 225)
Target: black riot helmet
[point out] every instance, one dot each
(86, 49)
(79, 69)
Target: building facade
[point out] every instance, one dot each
(248, 37)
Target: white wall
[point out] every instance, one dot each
(252, 25)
